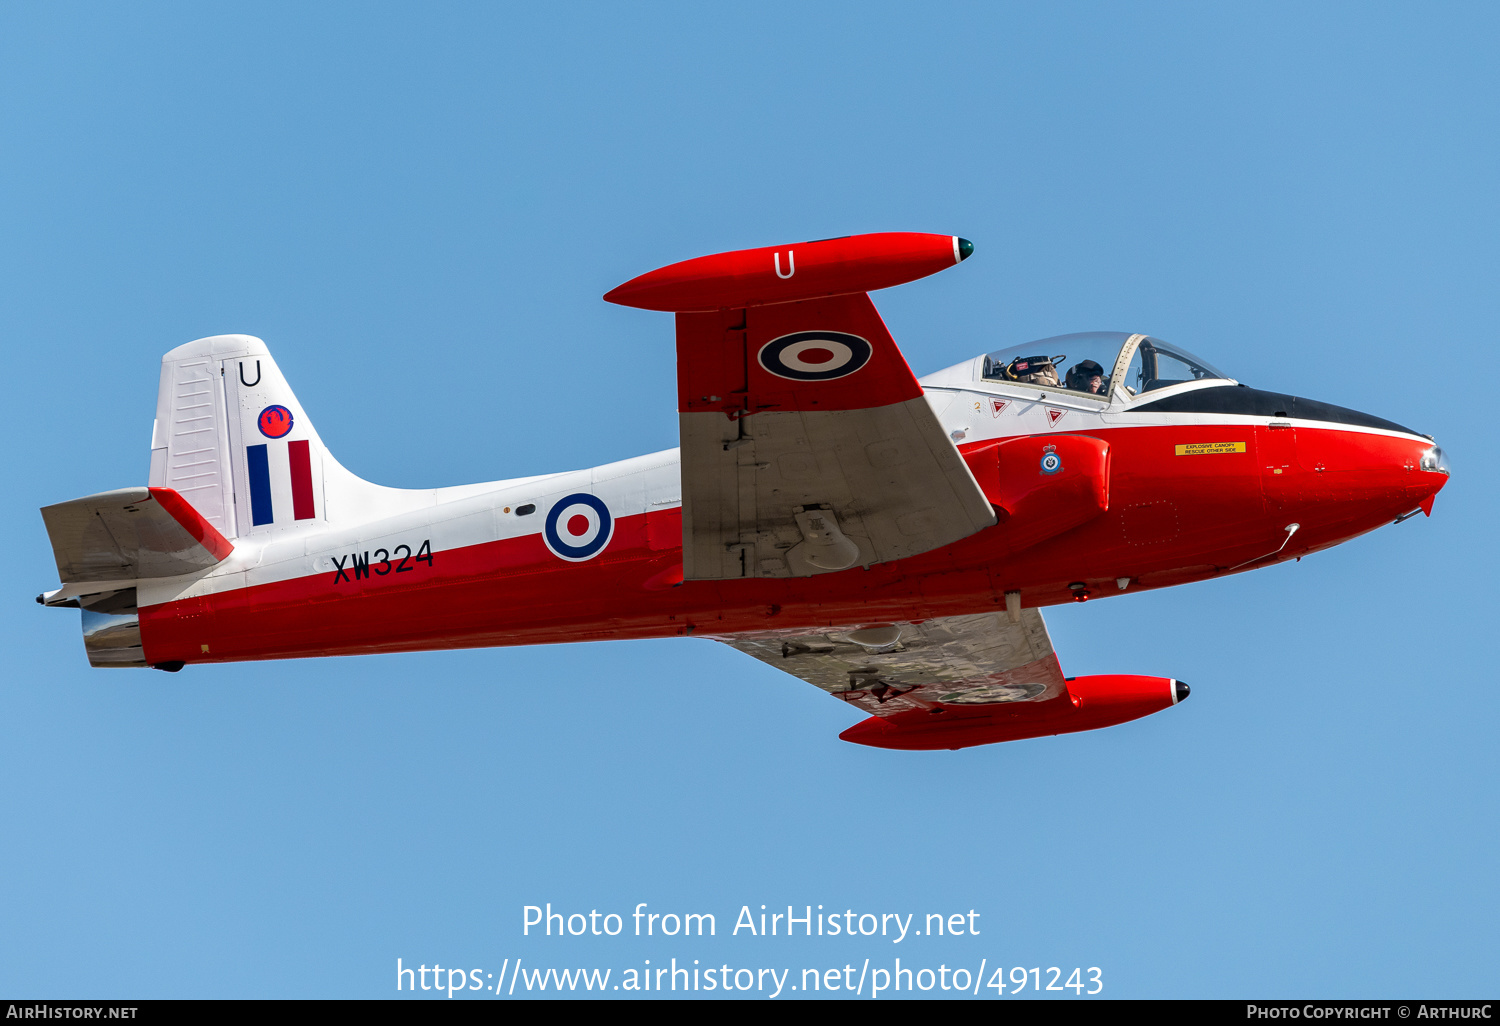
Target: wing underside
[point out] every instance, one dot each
(959, 661)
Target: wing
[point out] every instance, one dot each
(964, 661)
(808, 446)
(129, 534)
(957, 681)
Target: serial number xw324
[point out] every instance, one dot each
(356, 566)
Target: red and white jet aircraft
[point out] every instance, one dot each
(887, 539)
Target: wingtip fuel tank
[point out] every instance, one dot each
(1093, 702)
(787, 274)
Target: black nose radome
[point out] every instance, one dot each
(965, 249)
(1180, 690)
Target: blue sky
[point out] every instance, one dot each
(418, 207)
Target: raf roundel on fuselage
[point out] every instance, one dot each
(578, 527)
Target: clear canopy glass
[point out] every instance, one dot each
(1158, 365)
(1084, 363)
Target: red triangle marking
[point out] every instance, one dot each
(997, 405)
(1053, 416)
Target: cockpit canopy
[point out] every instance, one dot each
(1098, 363)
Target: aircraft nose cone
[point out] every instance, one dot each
(1180, 690)
(1435, 460)
(965, 249)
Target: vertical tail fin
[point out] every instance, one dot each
(231, 439)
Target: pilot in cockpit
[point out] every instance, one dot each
(1086, 376)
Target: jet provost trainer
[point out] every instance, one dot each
(888, 539)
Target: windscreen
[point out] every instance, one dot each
(1159, 365)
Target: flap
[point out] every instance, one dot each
(129, 534)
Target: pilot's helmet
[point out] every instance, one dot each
(1079, 374)
(1035, 370)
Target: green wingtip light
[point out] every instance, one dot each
(965, 249)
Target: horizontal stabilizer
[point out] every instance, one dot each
(130, 534)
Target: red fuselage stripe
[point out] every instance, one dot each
(1186, 503)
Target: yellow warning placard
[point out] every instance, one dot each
(1209, 448)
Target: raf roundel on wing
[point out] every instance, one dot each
(815, 355)
(578, 527)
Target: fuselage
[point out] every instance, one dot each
(1204, 478)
